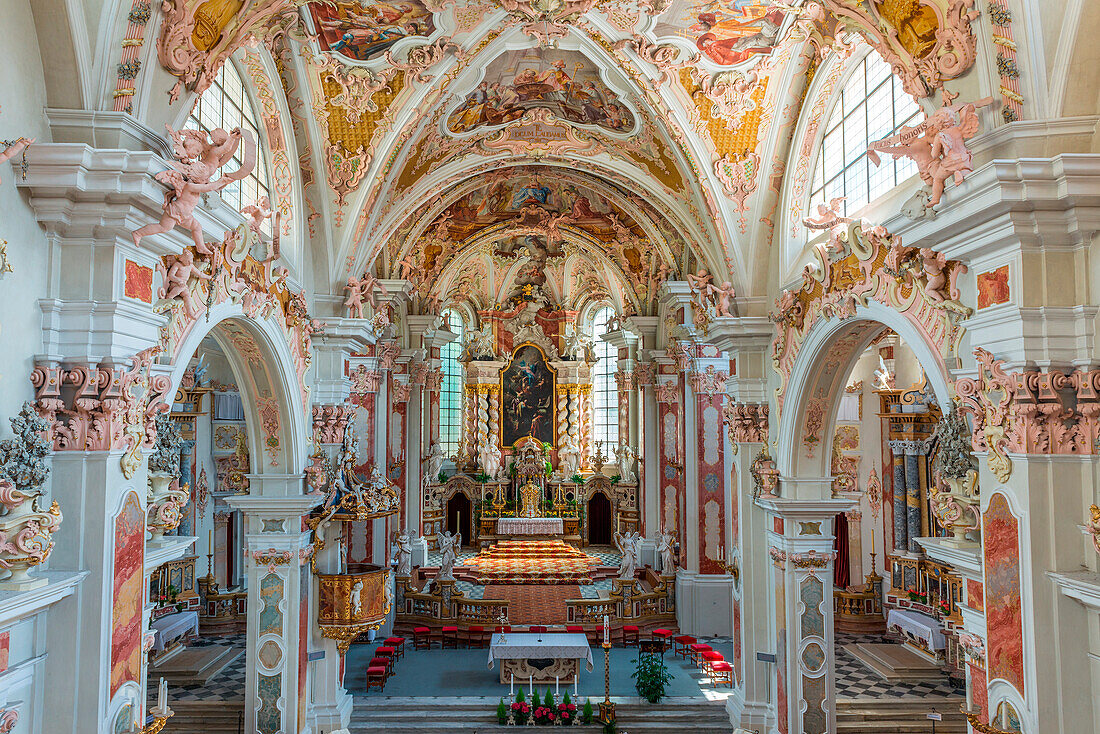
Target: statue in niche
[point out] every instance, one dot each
(628, 547)
(625, 456)
(356, 599)
(434, 462)
(404, 554)
(448, 546)
(665, 543)
(490, 457)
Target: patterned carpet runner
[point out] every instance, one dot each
(535, 603)
(532, 561)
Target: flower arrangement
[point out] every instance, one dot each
(567, 710)
(442, 477)
(482, 477)
(577, 479)
(944, 607)
(544, 715)
(917, 596)
(520, 709)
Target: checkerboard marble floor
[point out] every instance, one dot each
(856, 680)
(227, 686)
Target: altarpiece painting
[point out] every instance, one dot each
(527, 392)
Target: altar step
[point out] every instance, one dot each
(532, 561)
(899, 715)
(895, 663)
(476, 715)
(206, 717)
(194, 666)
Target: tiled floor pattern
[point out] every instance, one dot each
(534, 603)
(227, 686)
(856, 680)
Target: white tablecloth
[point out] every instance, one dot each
(174, 626)
(530, 526)
(921, 626)
(526, 646)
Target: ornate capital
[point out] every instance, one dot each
(330, 421)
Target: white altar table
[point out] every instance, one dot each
(530, 526)
(523, 657)
(916, 626)
(173, 627)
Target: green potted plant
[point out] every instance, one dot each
(520, 707)
(651, 677)
(481, 477)
(567, 710)
(577, 479)
(502, 713)
(586, 712)
(442, 477)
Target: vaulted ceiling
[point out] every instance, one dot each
(588, 147)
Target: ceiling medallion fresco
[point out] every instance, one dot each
(566, 83)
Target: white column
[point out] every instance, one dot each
(279, 582)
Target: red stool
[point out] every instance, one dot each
(709, 658)
(383, 662)
(574, 628)
(450, 637)
(664, 636)
(422, 638)
(538, 628)
(376, 676)
(475, 636)
(696, 651)
(630, 635)
(397, 643)
(387, 652)
(682, 643)
(721, 672)
(503, 630)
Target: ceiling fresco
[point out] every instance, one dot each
(566, 83)
(645, 138)
(364, 31)
(726, 33)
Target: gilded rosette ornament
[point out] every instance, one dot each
(1092, 527)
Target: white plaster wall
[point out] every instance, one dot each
(22, 105)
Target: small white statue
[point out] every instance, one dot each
(480, 343)
(434, 462)
(569, 460)
(665, 542)
(628, 547)
(448, 546)
(356, 599)
(490, 458)
(404, 554)
(884, 379)
(625, 457)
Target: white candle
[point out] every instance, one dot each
(574, 686)
(512, 684)
(211, 540)
(162, 697)
(606, 630)
(530, 684)
(556, 690)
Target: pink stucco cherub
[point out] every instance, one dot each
(190, 178)
(176, 283)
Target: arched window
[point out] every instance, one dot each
(605, 391)
(227, 105)
(872, 106)
(450, 396)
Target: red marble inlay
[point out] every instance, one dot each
(1003, 613)
(777, 525)
(5, 650)
(128, 593)
(993, 287)
(139, 282)
(975, 595)
(979, 696)
(712, 491)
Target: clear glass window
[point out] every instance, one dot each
(227, 105)
(872, 105)
(605, 391)
(450, 396)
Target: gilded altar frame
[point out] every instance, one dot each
(552, 395)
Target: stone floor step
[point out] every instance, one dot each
(899, 716)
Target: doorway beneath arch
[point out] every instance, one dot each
(460, 517)
(599, 519)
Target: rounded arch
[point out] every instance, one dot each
(826, 357)
(261, 361)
